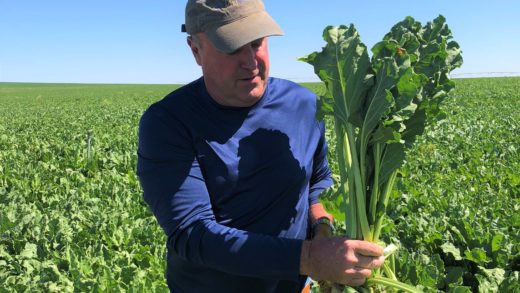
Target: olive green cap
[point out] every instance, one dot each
(229, 24)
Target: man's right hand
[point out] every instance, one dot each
(339, 260)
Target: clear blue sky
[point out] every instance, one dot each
(117, 41)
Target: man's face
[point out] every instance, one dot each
(237, 79)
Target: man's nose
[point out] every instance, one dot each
(248, 57)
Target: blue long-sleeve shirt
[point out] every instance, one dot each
(231, 187)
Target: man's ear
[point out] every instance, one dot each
(195, 50)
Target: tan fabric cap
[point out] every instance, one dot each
(230, 24)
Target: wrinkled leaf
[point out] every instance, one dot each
(449, 248)
(343, 66)
(477, 255)
(490, 279)
(29, 251)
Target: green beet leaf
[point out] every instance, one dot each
(379, 106)
(342, 66)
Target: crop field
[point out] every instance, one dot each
(72, 218)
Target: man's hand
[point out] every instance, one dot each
(339, 260)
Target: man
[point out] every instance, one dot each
(232, 165)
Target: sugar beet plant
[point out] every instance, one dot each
(71, 214)
(379, 106)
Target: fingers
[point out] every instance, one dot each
(340, 260)
(363, 254)
(358, 273)
(356, 276)
(369, 262)
(366, 248)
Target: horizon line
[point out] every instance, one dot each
(294, 79)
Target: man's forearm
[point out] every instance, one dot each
(317, 211)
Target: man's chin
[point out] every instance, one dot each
(257, 92)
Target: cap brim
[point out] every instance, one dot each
(230, 37)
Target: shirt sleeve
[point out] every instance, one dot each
(321, 175)
(174, 188)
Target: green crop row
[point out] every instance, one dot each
(72, 218)
(457, 207)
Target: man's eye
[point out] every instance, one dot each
(235, 52)
(256, 44)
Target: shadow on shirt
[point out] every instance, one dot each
(269, 186)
